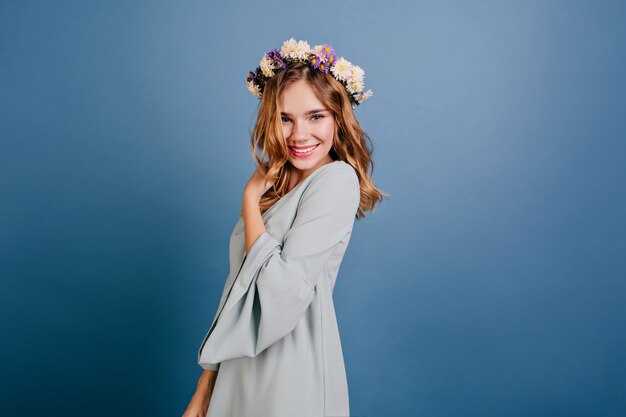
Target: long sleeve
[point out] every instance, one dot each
(276, 282)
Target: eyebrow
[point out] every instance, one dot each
(307, 113)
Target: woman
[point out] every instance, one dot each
(273, 349)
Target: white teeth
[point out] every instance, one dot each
(304, 150)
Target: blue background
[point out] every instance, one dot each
(491, 282)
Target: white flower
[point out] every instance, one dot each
(363, 96)
(267, 66)
(253, 88)
(342, 70)
(357, 73)
(354, 86)
(302, 49)
(295, 50)
(288, 47)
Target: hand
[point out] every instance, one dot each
(197, 406)
(256, 186)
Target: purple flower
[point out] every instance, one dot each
(315, 61)
(274, 55)
(329, 53)
(257, 77)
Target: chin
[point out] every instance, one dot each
(304, 165)
(308, 163)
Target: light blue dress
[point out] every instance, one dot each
(274, 338)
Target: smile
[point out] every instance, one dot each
(302, 152)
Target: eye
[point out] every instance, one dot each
(285, 119)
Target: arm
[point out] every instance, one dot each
(252, 220)
(202, 397)
(251, 212)
(278, 278)
(206, 383)
(254, 226)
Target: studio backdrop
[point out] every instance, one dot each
(490, 282)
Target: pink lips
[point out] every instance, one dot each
(300, 154)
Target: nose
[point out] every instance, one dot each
(300, 130)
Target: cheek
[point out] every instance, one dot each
(328, 130)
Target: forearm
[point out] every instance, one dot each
(206, 382)
(253, 222)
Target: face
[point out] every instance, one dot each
(308, 127)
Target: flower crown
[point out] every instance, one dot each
(320, 57)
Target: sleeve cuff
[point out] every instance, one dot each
(210, 366)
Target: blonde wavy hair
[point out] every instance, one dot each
(350, 142)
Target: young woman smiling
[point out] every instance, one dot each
(274, 348)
